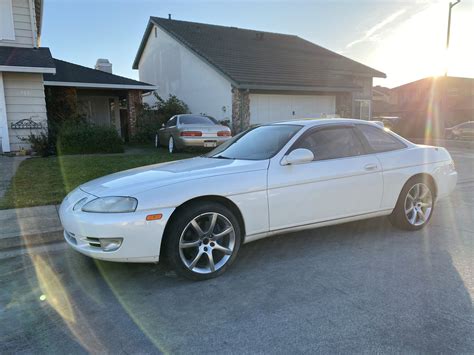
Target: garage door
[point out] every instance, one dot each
(270, 108)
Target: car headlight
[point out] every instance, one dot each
(112, 204)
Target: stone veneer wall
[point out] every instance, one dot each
(134, 99)
(240, 110)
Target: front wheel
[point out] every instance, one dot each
(203, 240)
(414, 206)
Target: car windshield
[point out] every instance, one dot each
(197, 120)
(257, 143)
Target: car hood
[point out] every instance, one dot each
(134, 181)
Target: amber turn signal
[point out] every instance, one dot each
(154, 217)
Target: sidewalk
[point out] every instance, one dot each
(29, 226)
(8, 167)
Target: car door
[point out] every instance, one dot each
(393, 157)
(165, 131)
(341, 181)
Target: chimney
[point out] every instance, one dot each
(169, 16)
(103, 65)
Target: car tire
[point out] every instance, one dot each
(204, 251)
(415, 205)
(172, 148)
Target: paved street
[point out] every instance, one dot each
(358, 287)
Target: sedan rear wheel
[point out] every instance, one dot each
(415, 205)
(418, 204)
(171, 145)
(203, 240)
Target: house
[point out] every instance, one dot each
(102, 97)
(26, 69)
(22, 65)
(383, 101)
(249, 76)
(430, 104)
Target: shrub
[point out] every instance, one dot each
(148, 122)
(151, 118)
(85, 138)
(40, 143)
(172, 106)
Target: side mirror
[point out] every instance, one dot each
(298, 156)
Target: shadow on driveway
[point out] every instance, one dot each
(357, 287)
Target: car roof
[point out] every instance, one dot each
(321, 121)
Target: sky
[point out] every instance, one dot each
(404, 39)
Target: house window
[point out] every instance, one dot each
(156, 32)
(7, 29)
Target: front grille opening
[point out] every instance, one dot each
(71, 237)
(93, 242)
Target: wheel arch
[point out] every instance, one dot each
(205, 198)
(425, 177)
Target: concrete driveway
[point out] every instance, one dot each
(358, 287)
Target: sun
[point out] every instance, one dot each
(416, 46)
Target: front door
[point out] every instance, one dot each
(341, 182)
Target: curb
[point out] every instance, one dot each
(30, 240)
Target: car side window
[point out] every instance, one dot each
(332, 143)
(379, 140)
(171, 122)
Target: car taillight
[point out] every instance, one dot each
(223, 134)
(191, 134)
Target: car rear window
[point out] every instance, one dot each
(196, 120)
(379, 140)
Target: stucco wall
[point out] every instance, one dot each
(22, 23)
(178, 71)
(24, 97)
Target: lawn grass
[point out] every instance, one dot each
(46, 181)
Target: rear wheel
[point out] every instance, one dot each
(203, 240)
(414, 206)
(172, 145)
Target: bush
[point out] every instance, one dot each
(151, 118)
(86, 138)
(40, 143)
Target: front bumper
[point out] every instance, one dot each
(141, 238)
(184, 142)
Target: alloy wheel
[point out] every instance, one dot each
(207, 243)
(171, 145)
(418, 204)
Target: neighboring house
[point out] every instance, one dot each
(103, 98)
(26, 69)
(435, 103)
(22, 65)
(251, 76)
(384, 101)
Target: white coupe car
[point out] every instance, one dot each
(268, 180)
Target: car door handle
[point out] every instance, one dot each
(370, 167)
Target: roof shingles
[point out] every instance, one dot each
(263, 58)
(74, 73)
(26, 57)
